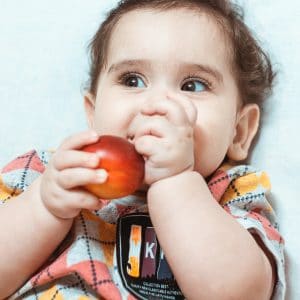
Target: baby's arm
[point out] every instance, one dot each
(35, 222)
(211, 255)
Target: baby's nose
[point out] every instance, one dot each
(181, 100)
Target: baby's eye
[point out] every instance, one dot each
(135, 81)
(194, 86)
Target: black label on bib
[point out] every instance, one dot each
(141, 262)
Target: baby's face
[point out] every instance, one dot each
(169, 55)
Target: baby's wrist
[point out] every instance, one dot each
(168, 182)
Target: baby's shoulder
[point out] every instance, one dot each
(230, 181)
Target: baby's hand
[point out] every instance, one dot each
(70, 169)
(163, 133)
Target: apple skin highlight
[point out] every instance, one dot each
(124, 165)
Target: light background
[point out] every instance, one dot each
(44, 66)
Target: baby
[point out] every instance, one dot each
(184, 81)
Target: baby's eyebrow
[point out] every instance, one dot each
(128, 63)
(181, 66)
(210, 70)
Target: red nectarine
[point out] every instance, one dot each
(124, 165)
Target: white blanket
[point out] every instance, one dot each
(44, 66)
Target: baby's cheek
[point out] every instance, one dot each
(108, 121)
(209, 151)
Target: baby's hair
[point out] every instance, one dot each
(250, 65)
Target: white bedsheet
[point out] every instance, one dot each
(44, 66)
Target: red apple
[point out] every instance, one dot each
(124, 165)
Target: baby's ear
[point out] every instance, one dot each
(89, 106)
(245, 129)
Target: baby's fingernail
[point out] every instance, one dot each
(101, 175)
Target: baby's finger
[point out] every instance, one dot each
(78, 140)
(85, 200)
(74, 158)
(73, 202)
(75, 177)
(189, 108)
(156, 125)
(148, 146)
